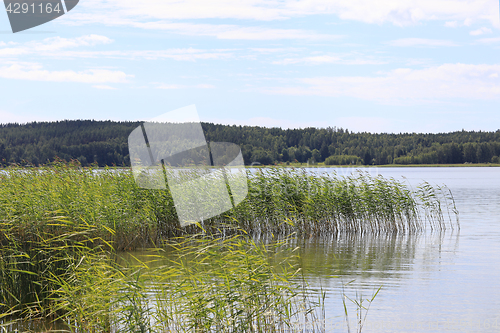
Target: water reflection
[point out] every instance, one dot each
(373, 255)
(382, 258)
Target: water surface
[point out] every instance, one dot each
(432, 282)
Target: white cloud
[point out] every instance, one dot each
(58, 43)
(226, 31)
(35, 72)
(53, 46)
(190, 9)
(480, 31)
(187, 54)
(404, 85)
(489, 40)
(410, 42)
(219, 31)
(468, 21)
(8, 43)
(329, 59)
(58, 47)
(401, 12)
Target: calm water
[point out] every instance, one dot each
(434, 282)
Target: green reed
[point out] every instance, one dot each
(30, 258)
(60, 226)
(278, 201)
(211, 283)
(287, 199)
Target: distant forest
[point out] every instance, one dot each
(105, 143)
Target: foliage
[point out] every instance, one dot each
(105, 144)
(342, 160)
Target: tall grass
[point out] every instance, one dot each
(61, 228)
(30, 258)
(107, 199)
(209, 284)
(287, 199)
(279, 201)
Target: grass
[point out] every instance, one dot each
(327, 203)
(210, 284)
(279, 201)
(62, 228)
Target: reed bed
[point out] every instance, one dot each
(294, 200)
(219, 284)
(209, 284)
(31, 257)
(62, 227)
(279, 201)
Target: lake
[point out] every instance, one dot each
(432, 282)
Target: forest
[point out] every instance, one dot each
(105, 143)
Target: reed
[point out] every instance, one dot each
(30, 258)
(62, 227)
(210, 284)
(280, 201)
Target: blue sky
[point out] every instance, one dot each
(377, 66)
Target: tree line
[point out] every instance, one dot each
(105, 143)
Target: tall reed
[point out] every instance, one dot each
(60, 226)
(206, 284)
(295, 200)
(278, 201)
(30, 258)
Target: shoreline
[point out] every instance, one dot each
(320, 165)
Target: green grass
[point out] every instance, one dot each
(62, 228)
(206, 284)
(280, 201)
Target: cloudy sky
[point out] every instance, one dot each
(377, 66)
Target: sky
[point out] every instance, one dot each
(389, 66)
